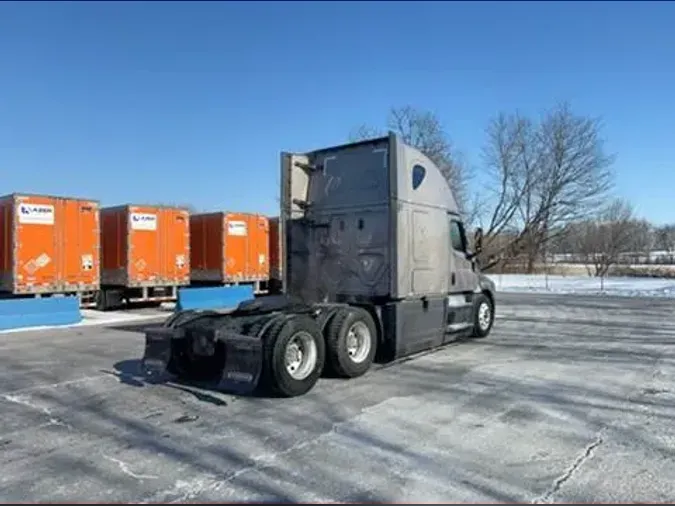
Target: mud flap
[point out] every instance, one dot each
(243, 363)
(156, 361)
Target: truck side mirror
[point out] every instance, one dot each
(478, 240)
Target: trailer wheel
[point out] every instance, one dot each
(483, 316)
(295, 353)
(99, 300)
(108, 299)
(351, 338)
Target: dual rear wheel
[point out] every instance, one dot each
(296, 350)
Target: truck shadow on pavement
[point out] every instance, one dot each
(130, 373)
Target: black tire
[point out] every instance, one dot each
(276, 376)
(109, 299)
(481, 326)
(337, 333)
(99, 300)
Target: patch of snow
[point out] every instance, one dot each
(621, 286)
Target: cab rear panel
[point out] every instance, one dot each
(368, 221)
(337, 221)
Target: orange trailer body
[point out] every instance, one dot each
(145, 246)
(48, 244)
(229, 247)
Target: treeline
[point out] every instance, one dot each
(615, 239)
(614, 243)
(546, 189)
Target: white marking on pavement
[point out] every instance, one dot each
(25, 400)
(124, 467)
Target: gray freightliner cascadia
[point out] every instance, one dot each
(376, 266)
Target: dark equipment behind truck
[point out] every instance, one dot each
(376, 266)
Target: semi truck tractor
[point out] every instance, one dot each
(376, 267)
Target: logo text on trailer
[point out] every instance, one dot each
(143, 221)
(36, 214)
(237, 228)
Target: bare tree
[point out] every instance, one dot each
(508, 157)
(664, 238)
(424, 131)
(604, 239)
(547, 175)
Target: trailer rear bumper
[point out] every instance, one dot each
(234, 361)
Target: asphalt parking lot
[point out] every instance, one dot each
(570, 399)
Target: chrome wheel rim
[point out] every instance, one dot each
(484, 315)
(358, 342)
(300, 356)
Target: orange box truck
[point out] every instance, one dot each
(229, 248)
(49, 245)
(145, 254)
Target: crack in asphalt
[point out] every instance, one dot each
(588, 452)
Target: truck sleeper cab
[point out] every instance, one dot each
(376, 266)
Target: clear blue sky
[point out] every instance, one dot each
(192, 102)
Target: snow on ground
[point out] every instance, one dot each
(622, 286)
